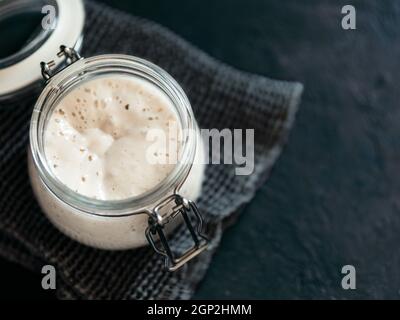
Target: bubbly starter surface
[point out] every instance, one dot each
(96, 138)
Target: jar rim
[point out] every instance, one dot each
(103, 65)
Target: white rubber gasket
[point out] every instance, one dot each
(68, 32)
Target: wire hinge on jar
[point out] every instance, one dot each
(70, 56)
(176, 205)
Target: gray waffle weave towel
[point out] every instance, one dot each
(221, 98)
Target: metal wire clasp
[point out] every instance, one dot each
(70, 56)
(175, 205)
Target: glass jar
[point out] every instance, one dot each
(131, 222)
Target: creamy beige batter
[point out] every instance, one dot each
(97, 142)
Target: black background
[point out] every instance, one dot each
(333, 197)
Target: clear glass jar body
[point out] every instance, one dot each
(119, 224)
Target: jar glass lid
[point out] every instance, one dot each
(31, 31)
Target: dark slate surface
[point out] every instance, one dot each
(332, 198)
